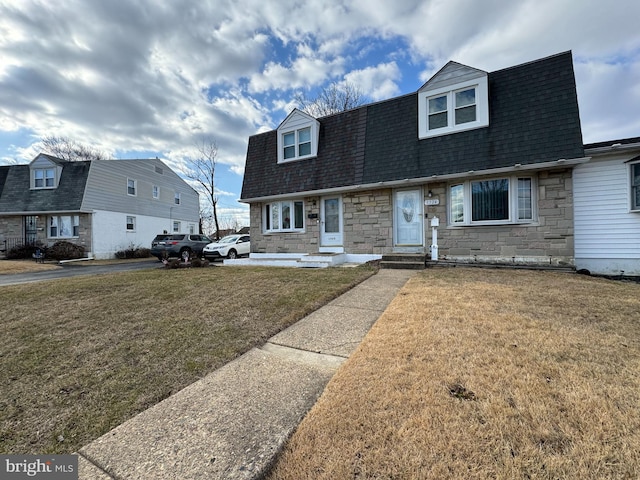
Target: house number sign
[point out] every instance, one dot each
(432, 201)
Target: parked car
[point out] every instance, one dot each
(182, 245)
(231, 246)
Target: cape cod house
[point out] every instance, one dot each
(103, 205)
(607, 209)
(474, 166)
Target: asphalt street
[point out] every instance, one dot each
(73, 270)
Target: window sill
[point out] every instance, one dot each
(288, 160)
(500, 224)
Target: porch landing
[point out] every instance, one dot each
(302, 260)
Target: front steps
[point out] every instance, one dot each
(297, 260)
(407, 261)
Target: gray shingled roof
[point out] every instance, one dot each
(15, 195)
(534, 118)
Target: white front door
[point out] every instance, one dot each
(407, 218)
(331, 221)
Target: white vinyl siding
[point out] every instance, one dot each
(105, 190)
(607, 232)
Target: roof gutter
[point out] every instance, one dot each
(615, 147)
(560, 163)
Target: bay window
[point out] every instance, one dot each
(492, 201)
(284, 216)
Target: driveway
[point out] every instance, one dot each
(73, 270)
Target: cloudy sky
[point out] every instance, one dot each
(150, 78)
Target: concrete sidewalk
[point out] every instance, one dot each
(232, 423)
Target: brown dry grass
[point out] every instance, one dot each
(80, 356)
(484, 374)
(24, 266)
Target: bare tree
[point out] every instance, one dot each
(335, 98)
(70, 150)
(202, 169)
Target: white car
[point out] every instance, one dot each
(231, 246)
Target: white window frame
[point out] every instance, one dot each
(130, 222)
(283, 225)
(481, 86)
(633, 188)
(56, 221)
(177, 198)
(132, 185)
(45, 175)
(155, 192)
(297, 143)
(464, 187)
(176, 226)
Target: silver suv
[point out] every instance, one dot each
(181, 245)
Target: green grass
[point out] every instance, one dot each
(80, 356)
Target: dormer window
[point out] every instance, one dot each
(297, 144)
(455, 99)
(298, 137)
(44, 178)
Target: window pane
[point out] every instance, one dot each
(525, 211)
(438, 120)
(65, 226)
(131, 187)
(298, 215)
(305, 149)
(286, 216)
(457, 203)
(466, 97)
(289, 139)
(490, 200)
(635, 186)
(275, 216)
(438, 104)
(466, 115)
(304, 135)
(290, 152)
(53, 226)
(49, 178)
(267, 217)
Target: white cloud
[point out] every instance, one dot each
(377, 82)
(157, 75)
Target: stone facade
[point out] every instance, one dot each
(12, 230)
(368, 227)
(548, 241)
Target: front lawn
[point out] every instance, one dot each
(480, 374)
(80, 356)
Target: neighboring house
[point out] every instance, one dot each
(489, 155)
(607, 209)
(103, 205)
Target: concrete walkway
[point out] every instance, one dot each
(232, 423)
